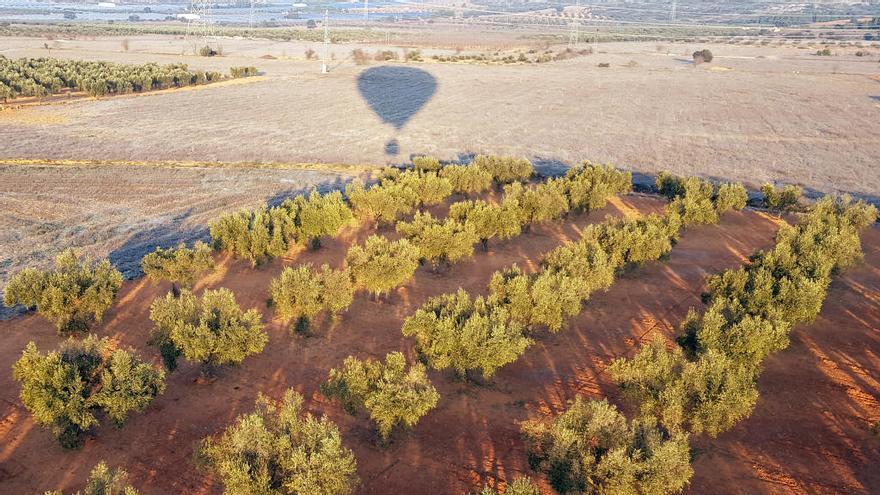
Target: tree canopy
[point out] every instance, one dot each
(64, 389)
(72, 296)
(212, 330)
(455, 331)
(302, 292)
(440, 242)
(278, 450)
(591, 448)
(180, 265)
(104, 481)
(392, 394)
(381, 265)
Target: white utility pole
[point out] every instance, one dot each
(324, 69)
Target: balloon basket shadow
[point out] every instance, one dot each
(392, 147)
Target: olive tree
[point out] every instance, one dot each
(212, 330)
(180, 265)
(391, 394)
(279, 450)
(591, 448)
(786, 199)
(428, 188)
(381, 265)
(255, 235)
(467, 179)
(439, 242)
(488, 221)
(589, 186)
(318, 216)
(72, 296)
(104, 481)
(519, 486)
(455, 331)
(426, 164)
(504, 169)
(538, 203)
(383, 203)
(301, 293)
(66, 388)
(710, 394)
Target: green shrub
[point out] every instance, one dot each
(278, 450)
(213, 330)
(439, 242)
(255, 235)
(486, 220)
(426, 163)
(237, 72)
(66, 388)
(72, 296)
(383, 203)
(455, 331)
(519, 486)
(104, 481)
(390, 393)
(589, 186)
(707, 395)
(382, 265)
(787, 199)
(318, 216)
(504, 169)
(301, 293)
(181, 265)
(540, 203)
(467, 179)
(730, 197)
(427, 188)
(633, 240)
(591, 448)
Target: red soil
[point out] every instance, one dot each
(473, 436)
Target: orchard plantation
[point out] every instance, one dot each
(701, 384)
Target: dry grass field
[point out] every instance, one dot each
(757, 113)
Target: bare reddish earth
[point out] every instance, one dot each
(473, 435)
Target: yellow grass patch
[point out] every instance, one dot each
(719, 68)
(340, 168)
(31, 116)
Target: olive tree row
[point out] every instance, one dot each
(66, 388)
(700, 202)
(263, 234)
(709, 383)
(439, 242)
(46, 76)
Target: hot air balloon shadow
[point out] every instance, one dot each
(395, 94)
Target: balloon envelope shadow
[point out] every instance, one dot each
(396, 93)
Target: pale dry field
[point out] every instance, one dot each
(756, 114)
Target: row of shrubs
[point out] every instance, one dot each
(215, 331)
(464, 333)
(707, 383)
(46, 76)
